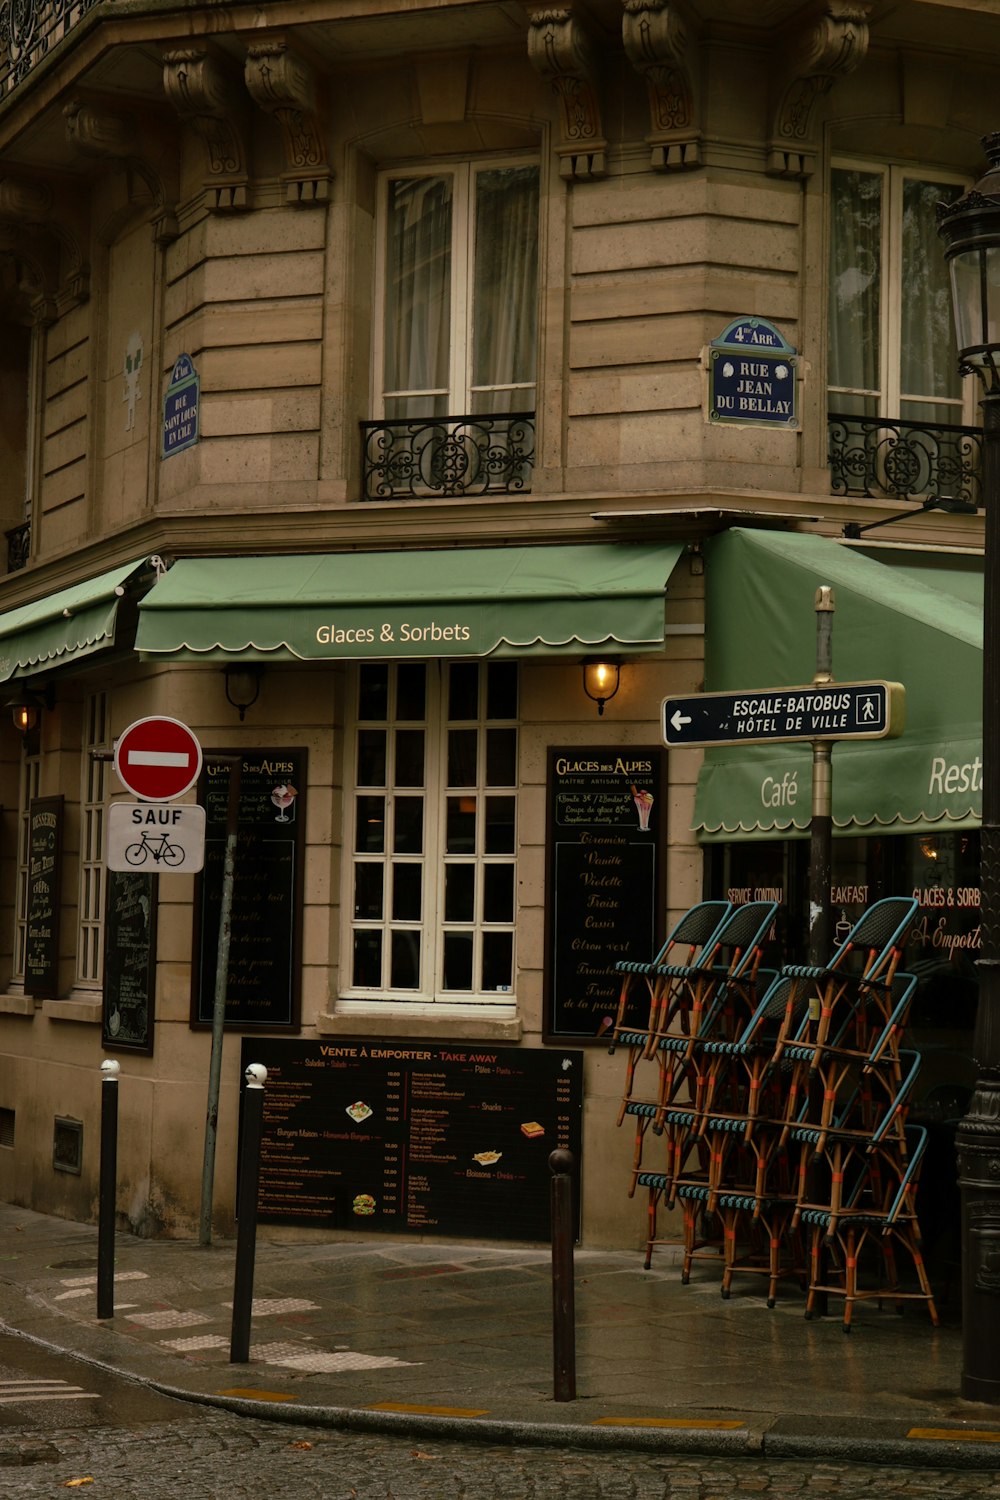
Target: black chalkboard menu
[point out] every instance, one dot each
(266, 931)
(129, 962)
(603, 880)
(41, 952)
(410, 1137)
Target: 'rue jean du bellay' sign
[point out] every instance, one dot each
(752, 378)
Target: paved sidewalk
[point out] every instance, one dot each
(457, 1341)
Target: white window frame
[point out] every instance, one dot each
(460, 390)
(889, 396)
(93, 814)
(431, 998)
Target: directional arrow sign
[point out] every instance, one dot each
(827, 711)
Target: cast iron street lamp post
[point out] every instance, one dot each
(970, 229)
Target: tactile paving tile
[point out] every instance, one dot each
(296, 1357)
(264, 1307)
(168, 1318)
(92, 1280)
(202, 1341)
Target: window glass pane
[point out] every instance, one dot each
(367, 969)
(457, 961)
(929, 361)
(368, 891)
(498, 960)
(411, 690)
(408, 832)
(405, 966)
(855, 278)
(409, 757)
(499, 825)
(501, 690)
(463, 691)
(407, 884)
(498, 893)
(369, 835)
(373, 692)
(460, 893)
(461, 831)
(371, 757)
(418, 285)
(501, 757)
(506, 272)
(462, 756)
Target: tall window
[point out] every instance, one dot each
(892, 340)
(432, 889)
(95, 774)
(458, 274)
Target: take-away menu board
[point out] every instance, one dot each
(410, 1137)
(603, 881)
(129, 961)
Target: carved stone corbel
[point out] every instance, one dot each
(135, 147)
(209, 99)
(829, 41)
(282, 83)
(658, 44)
(560, 49)
(46, 231)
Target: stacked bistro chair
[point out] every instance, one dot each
(689, 1007)
(690, 943)
(781, 1108)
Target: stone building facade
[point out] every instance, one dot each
(443, 280)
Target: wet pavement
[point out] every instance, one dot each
(456, 1341)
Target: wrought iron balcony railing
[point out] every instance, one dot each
(18, 546)
(874, 458)
(29, 29)
(434, 458)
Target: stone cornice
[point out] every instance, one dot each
(828, 41)
(208, 97)
(659, 43)
(283, 84)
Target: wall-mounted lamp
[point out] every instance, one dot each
(242, 687)
(601, 679)
(853, 532)
(26, 708)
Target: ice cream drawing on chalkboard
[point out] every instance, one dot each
(283, 796)
(644, 805)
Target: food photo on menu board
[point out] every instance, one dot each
(604, 880)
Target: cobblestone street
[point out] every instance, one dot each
(223, 1457)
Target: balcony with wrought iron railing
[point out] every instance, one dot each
(444, 458)
(874, 458)
(29, 29)
(18, 546)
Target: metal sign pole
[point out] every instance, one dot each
(219, 1008)
(821, 824)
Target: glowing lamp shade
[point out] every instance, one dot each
(601, 680)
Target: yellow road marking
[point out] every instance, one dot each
(252, 1395)
(432, 1411)
(953, 1435)
(664, 1422)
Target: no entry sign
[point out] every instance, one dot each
(158, 759)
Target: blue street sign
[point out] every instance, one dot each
(819, 711)
(752, 379)
(181, 408)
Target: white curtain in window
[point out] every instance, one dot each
(855, 291)
(418, 296)
(505, 289)
(928, 357)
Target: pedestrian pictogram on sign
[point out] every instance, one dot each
(158, 759)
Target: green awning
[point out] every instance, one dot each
(467, 602)
(64, 626)
(903, 624)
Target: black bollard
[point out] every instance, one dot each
(563, 1287)
(246, 1229)
(107, 1190)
